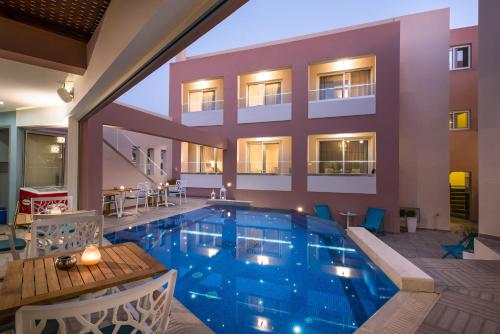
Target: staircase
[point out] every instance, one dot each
(460, 202)
(119, 142)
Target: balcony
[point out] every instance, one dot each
(342, 163)
(203, 103)
(264, 164)
(342, 88)
(265, 96)
(201, 166)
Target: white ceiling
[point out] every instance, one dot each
(24, 86)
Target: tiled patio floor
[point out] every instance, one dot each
(469, 300)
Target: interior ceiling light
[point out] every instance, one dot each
(66, 93)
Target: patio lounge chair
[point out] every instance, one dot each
(374, 220)
(466, 244)
(323, 211)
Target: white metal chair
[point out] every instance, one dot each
(139, 194)
(179, 189)
(65, 233)
(44, 205)
(152, 192)
(142, 309)
(111, 199)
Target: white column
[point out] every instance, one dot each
(72, 159)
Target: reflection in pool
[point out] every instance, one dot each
(255, 270)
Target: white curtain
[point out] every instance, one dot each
(256, 95)
(195, 101)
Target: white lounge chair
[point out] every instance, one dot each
(142, 309)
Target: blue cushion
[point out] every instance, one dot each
(323, 211)
(19, 244)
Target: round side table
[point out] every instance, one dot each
(348, 214)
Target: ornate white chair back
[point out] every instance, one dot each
(43, 205)
(65, 233)
(142, 309)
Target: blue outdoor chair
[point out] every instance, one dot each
(323, 211)
(374, 220)
(466, 244)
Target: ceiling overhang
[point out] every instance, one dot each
(32, 45)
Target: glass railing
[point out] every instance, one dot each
(347, 167)
(263, 100)
(203, 106)
(133, 153)
(265, 167)
(210, 167)
(342, 92)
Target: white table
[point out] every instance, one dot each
(348, 214)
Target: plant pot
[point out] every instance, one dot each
(411, 222)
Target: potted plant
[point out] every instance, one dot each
(411, 220)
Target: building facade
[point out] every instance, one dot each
(332, 118)
(463, 123)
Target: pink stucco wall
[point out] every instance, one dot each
(463, 96)
(382, 41)
(423, 118)
(489, 118)
(91, 148)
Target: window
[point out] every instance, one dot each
(342, 154)
(345, 84)
(264, 155)
(200, 159)
(202, 100)
(460, 57)
(135, 155)
(459, 120)
(150, 162)
(44, 160)
(264, 93)
(163, 162)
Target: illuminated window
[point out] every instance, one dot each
(460, 57)
(459, 120)
(264, 93)
(202, 100)
(345, 84)
(335, 154)
(264, 155)
(200, 159)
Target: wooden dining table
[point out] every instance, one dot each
(39, 281)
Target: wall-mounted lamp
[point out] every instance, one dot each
(66, 92)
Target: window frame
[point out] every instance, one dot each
(343, 140)
(344, 85)
(273, 81)
(451, 57)
(263, 155)
(211, 89)
(452, 113)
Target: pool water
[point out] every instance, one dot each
(245, 270)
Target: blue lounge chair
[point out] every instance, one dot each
(466, 244)
(374, 220)
(323, 211)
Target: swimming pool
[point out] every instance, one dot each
(246, 270)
